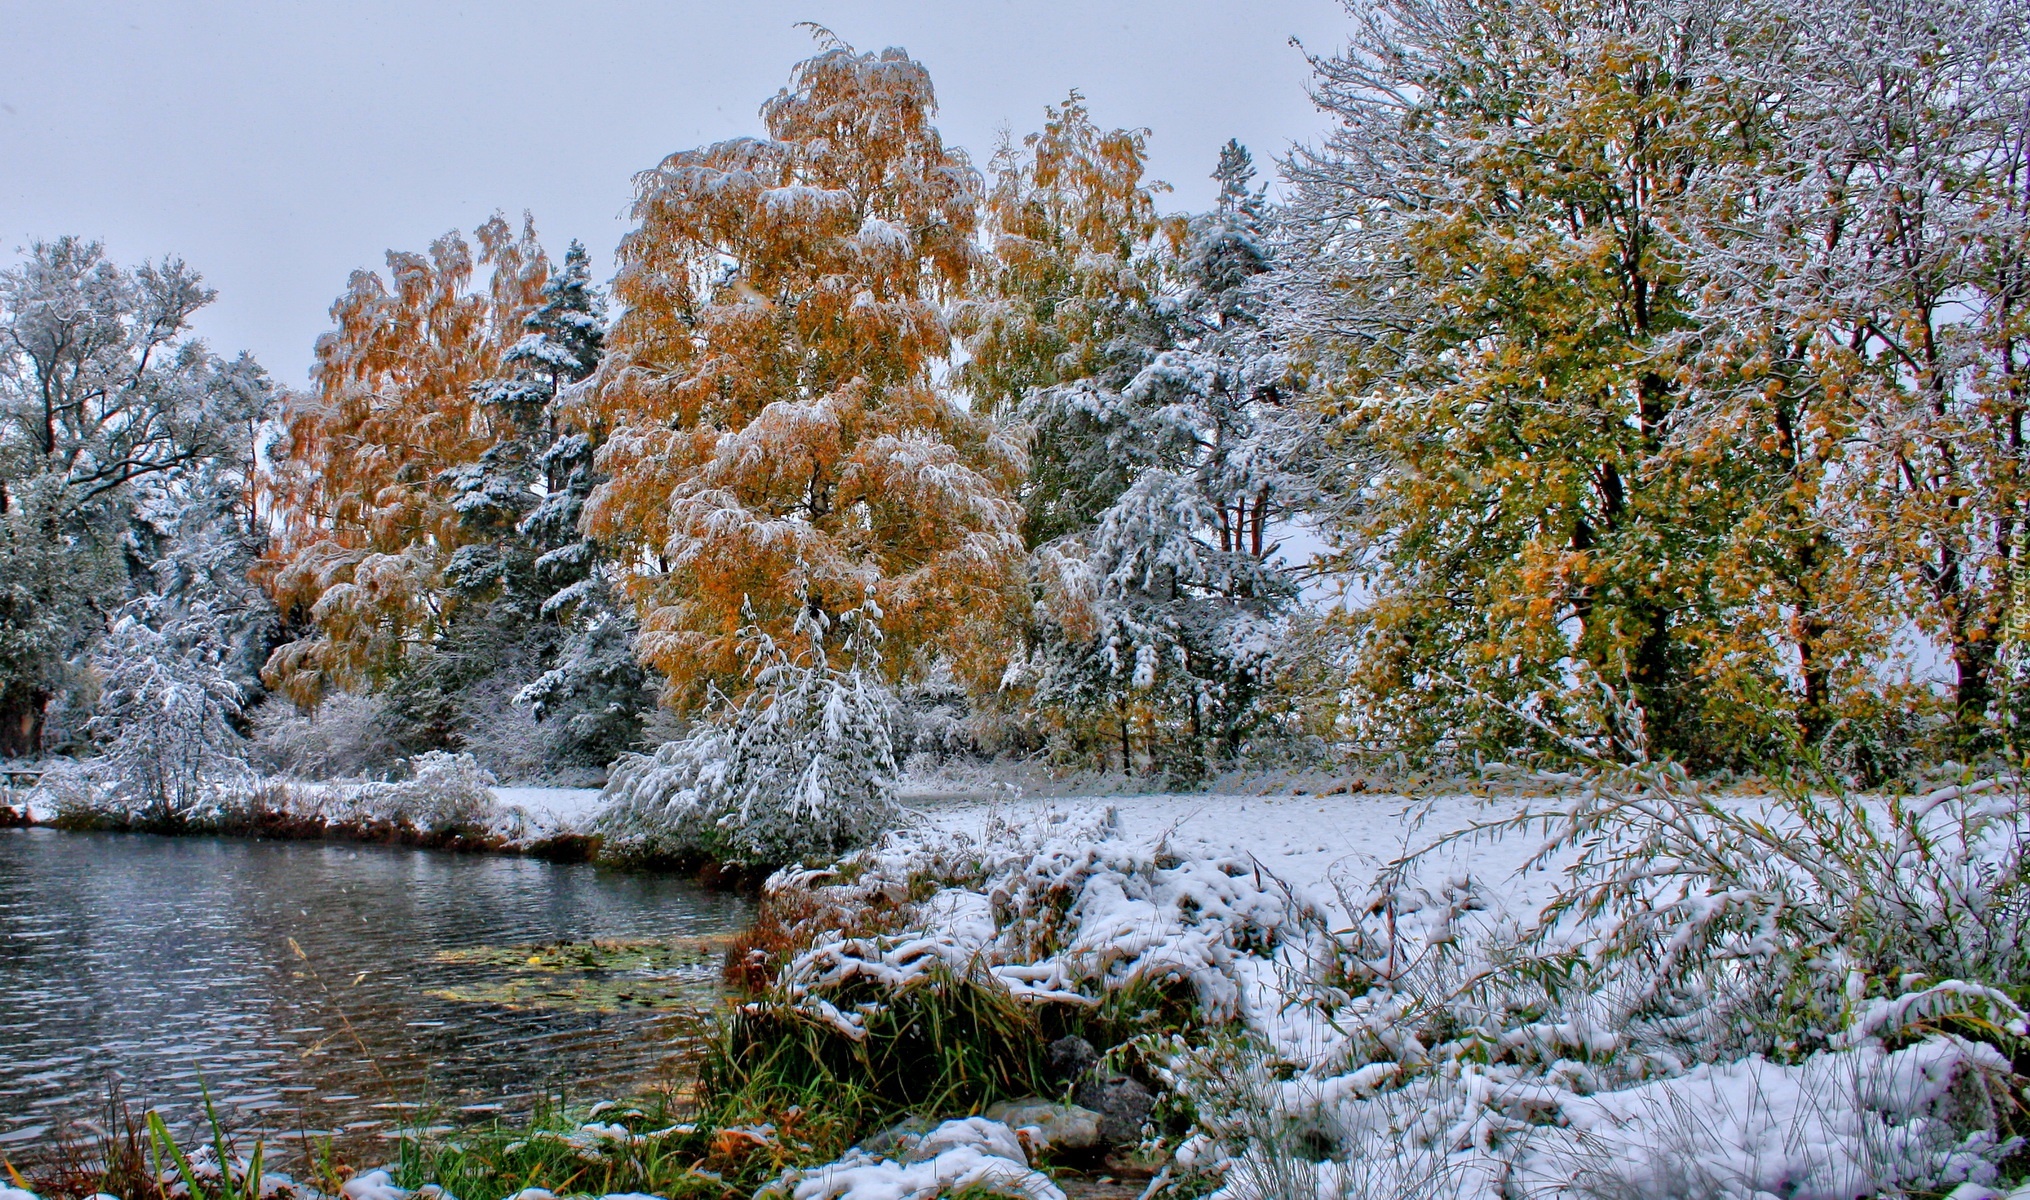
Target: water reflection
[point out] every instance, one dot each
(307, 985)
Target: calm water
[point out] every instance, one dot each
(166, 964)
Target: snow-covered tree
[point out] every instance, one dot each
(108, 407)
(1163, 615)
(167, 713)
(801, 768)
(1065, 314)
(773, 387)
(1673, 383)
(536, 609)
(377, 482)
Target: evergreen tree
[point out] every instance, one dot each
(535, 611)
(1164, 614)
(801, 768)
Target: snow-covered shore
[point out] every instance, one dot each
(1394, 1039)
(1368, 1018)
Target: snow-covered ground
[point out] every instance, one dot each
(1314, 843)
(563, 808)
(1268, 904)
(1370, 1041)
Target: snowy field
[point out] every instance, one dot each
(1319, 844)
(1308, 841)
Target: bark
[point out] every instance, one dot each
(21, 711)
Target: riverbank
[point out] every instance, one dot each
(1636, 988)
(448, 805)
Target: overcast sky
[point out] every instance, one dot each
(276, 146)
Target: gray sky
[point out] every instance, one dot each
(278, 145)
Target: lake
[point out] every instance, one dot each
(327, 989)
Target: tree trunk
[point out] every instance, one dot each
(21, 722)
(1973, 663)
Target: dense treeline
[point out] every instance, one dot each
(1654, 374)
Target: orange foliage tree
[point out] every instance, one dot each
(364, 517)
(1067, 305)
(780, 434)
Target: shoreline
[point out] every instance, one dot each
(563, 846)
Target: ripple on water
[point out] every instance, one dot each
(170, 966)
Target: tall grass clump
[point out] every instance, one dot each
(1692, 925)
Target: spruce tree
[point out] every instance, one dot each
(1171, 604)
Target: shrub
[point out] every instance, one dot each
(345, 737)
(165, 722)
(800, 770)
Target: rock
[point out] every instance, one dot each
(1048, 1126)
(899, 1139)
(987, 1136)
(1123, 1105)
(1071, 1058)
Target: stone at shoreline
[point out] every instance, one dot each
(1071, 1058)
(1122, 1103)
(1049, 1126)
(987, 1136)
(899, 1139)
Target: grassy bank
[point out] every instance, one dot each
(1801, 993)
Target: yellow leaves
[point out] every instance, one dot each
(775, 421)
(363, 518)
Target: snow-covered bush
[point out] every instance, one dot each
(446, 793)
(933, 717)
(169, 751)
(800, 770)
(345, 737)
(1692, 925)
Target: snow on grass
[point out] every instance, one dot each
(1314, 843)
(1420, 1030)
(566, 809)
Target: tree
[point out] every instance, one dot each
(1485, 239)
(1916, 149)
(167, 715)
(1167, 610)
(800, 769)
(1678, 366)
(371, 475)
(1065, 315)
(536, 608)
(773, 387)
(105, 400)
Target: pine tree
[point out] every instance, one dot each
(1165, 614)
(773, 392)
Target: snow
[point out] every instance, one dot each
(564, 808)
(1263, 904)
(973, 1153)
(1314, 843)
